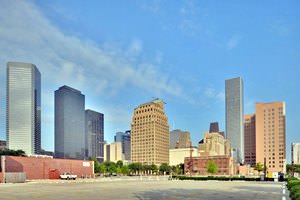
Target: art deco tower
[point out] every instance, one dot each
(150, 134)
(23, 127)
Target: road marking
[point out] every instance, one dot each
(283, 191)
(283, 198)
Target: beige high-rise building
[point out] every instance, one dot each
(296, 153)
(150, 134)
(271, 135)
(214, 144)
(113, 152)
(249, 139)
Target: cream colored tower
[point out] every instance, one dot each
(150, 134)
(270, 135)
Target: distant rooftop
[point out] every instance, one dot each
(156, 100)
(69, 88)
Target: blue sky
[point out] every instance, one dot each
(123, 53)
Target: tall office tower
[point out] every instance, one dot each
(150, 134)
(249, 139)
(214, 127)
(270, 135)
(179, 139)
(69, 123)
(94, 135)
(23, 125)
(295, 153)
(235, 115)
(124, 138)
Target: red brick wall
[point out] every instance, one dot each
(45, 168)
(200, 165)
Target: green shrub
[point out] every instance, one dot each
(295, 192)
(218, 178)
(292, 183)
(295, 196)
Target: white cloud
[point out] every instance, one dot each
(27, 35)
(233, 42)
(153, 6)
(211, 93)
(281, 28)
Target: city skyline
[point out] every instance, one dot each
(118, 67)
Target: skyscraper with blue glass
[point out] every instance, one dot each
(69, 123)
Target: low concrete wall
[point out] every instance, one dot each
(15, 177)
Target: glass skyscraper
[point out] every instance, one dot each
(235, 116)
(23, 125)
(124, 138)
(69, 123)
(94, 135)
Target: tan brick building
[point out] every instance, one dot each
(271, 135)
(214, 144)
(249, 139)
(150, 134)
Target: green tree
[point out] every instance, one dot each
(259, 167)
(164, 167)
(153, 168)
(10, 152)
(132, 168)
(212, 167)
(146, 169)
(96, 165)
(175, 169)
(102, 168)
(139, 167)
(125, 170)
(119, 164)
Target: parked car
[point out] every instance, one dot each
(67, 175)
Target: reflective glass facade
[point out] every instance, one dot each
(23, 127)
(69, 123)
(235, 115)
(94, 130)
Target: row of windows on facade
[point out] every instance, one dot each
(149, 128)
(269, 110)
(279, 133)
(150, 123)
(140, 111)
(279, 129)
(273, 142)
(163, 117)
(280, 150)
(280, 166)
(280, 137)
(145, 140)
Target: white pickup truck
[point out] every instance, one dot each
(68, 176)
